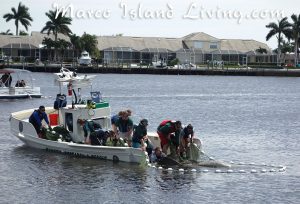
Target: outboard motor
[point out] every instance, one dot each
(61, 101)
(96, 96)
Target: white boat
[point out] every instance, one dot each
(17, 84)
(159, 64)
(85, 58)
(70, 117)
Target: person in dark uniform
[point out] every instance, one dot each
(100, 137)
(6, 79)
(36, 119)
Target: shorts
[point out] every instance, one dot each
(163, 139)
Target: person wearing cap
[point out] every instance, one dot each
(140, 138)
(166, 130)
(36, 119)
(186, 136)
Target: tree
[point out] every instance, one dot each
(295, 34)
(278, 30)
(7, 32)
(89, 43)
(57, 24)
(20, 15)
(49, 43)
(261, 50)
(22, 32)
(76, 43)
(287, 47)
(62, 45)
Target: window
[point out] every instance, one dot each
(213, 46)
(198, 45)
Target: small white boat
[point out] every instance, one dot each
(17, 84)
(159, 64)
(85, 58)
(70, 118)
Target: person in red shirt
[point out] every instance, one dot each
(165, 130)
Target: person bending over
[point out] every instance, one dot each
(36, 119)
(165, 130)
(124, 127)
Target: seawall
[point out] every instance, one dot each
(170, 71)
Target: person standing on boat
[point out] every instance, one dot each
(114, 118)
(186, 137)
(165, 131)
(124, 127)
(6, 79)
(140, 138)
(36, 119)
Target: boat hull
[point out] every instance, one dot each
(83, 61)
(20, 96)
(23, 130)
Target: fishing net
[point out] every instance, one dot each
(195, 154)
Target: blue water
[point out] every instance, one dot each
(240, 119)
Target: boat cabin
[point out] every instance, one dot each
(73, 118)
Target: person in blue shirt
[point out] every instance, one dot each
(114, 119)
(36, 119)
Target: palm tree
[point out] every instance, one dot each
(261, 50)
(21, 15)
(49, 43)
(89, 43)
(286, 48)
(278, 30)
(57, 24)
(76, 43)
(295, 32)
(62, 45)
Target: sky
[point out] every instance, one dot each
(227, 19)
